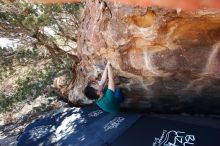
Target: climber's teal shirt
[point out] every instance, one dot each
(108, 102)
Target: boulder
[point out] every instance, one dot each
(165, 60)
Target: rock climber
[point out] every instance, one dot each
(108, 99)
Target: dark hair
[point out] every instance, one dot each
(90, 93)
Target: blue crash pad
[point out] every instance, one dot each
(86, 126)
(168, 130)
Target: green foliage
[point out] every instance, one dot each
(32, 16)
(36, 82)
(13, 59)
(72, 8)
(24, 20)
(64, 67)
(33, 85)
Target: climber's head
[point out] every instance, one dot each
(92, 91)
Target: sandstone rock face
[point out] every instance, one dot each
(165, 60)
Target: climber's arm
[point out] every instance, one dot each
(104, 77)
(111, 84)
